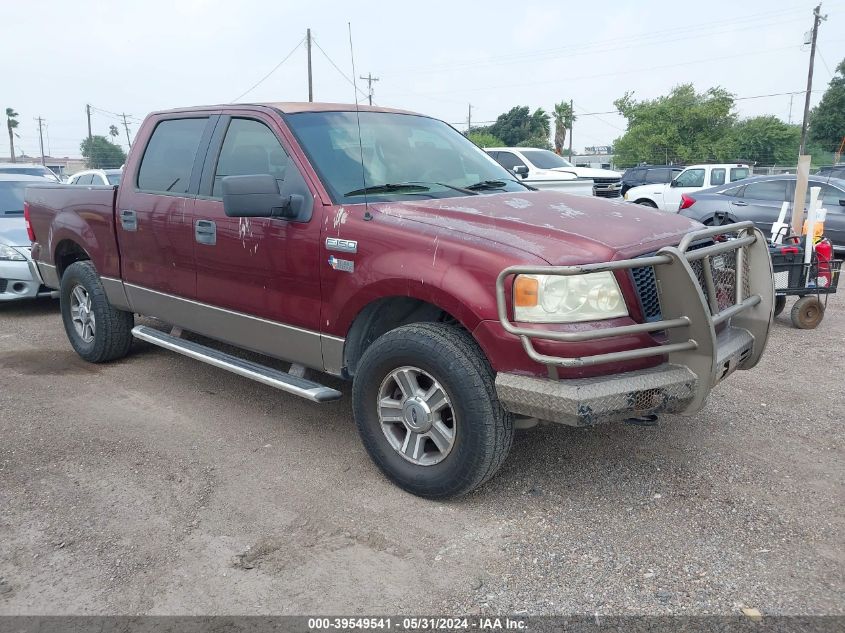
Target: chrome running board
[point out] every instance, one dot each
(273, 377)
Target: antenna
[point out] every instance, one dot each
(358, 118)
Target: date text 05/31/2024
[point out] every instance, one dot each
(418, 623)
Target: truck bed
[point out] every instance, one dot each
(61, 213)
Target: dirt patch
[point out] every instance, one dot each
(39, 362)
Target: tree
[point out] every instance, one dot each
(540, 142)
(100, 153)
(518, 125)
(827, 121)
(563, 117)
(764, 140)
(484, 139)
(681, 127)
(11, 124)
(113, 132)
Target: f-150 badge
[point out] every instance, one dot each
(337, 244)
(342, 264)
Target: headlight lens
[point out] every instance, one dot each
(567, 299)
(9, 254)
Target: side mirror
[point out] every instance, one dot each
(842, 202)
(257, 196)
(673, 182)
(521, 170)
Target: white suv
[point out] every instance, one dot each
(96, 177)
(546, 170)
(667, 196)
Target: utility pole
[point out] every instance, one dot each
(369, 79)
(310, 79)
(88, 113)
(571, 123)
(126, 127)
(469, 119)
(791, 97)
(817, 19)
(41, 140)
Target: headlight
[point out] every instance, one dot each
(9, 254)
(567, 299)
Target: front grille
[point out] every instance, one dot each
(3, 284)
(724, 279)
(607, 181)
(608, 193)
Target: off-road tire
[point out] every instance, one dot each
(113, 327)
(484, 430)
(807, 313)
(780, 304)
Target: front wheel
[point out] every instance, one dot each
(426, 408)
(98, 331)
(646, 203)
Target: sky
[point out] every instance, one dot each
(432, 57)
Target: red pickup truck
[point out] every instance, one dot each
(384, 247)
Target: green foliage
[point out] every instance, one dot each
(485, 139)
(764, 140)
(827, 122)
(100, 153)
(518, 125)
(563, 118)
(681, 127)
(540, 142)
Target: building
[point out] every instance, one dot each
(597, 157)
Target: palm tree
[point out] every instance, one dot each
(11, 124)
(564, 116)
(113, 132)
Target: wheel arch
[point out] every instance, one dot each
(67, 252)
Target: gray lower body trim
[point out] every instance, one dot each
(285, 342)
(48, 274)
(115, 293)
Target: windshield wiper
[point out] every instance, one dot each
(488, 184)
(386, 188)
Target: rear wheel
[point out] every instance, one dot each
(780, 304)
(97, 331)
(646, 203)
(807, 313)
(426, 408)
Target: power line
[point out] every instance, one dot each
(275, 68)
(337, 68)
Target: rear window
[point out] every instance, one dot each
(658, 175)
(169, 156)
(738, 173)
(11, 197)
(114, 179)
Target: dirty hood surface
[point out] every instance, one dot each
(561, 228)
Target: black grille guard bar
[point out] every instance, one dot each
(681, 298)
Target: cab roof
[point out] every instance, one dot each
(291, 107)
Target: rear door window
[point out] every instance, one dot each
(169, 157)
(717, 176)
(768, 190)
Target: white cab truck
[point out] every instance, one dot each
(543, 169)
(667, 196)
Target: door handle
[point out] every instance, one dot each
(205, 232)
(740, 203)
(129, 220)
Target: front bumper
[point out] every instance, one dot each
(17, 281)
(697, 297)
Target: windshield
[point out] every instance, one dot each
(11, 197)
(544, 159)
(114, 179)
(398, 149)
(28, 171)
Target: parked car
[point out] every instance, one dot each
(649, 175)
(416, 267)
(29, 169)
(96, 177)
(759, 199)
(667, 197)
(832, 171)
(16, 278)
(543, 169)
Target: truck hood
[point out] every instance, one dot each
(13, 232)
(585, 172)
(562, 229)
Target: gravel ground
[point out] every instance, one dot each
(163, 486)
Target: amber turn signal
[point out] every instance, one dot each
(525, 291)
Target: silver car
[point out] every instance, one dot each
(759, 199)
(16, 279)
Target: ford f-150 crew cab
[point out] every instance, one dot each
(383, 247)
